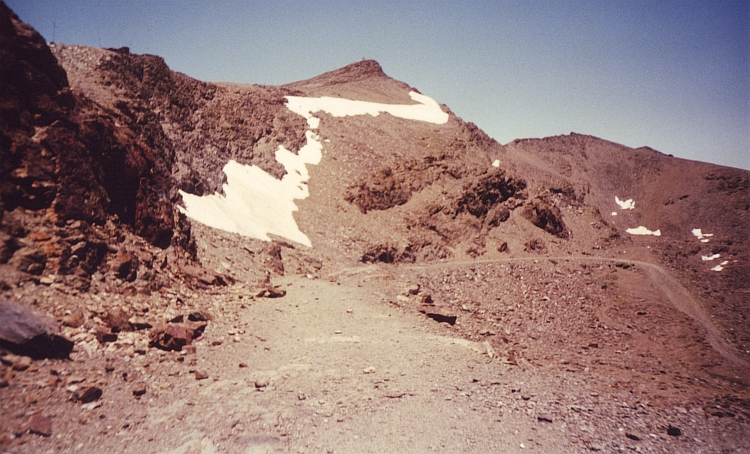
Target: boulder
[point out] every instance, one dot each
(26, 332)
(174, 336)
(125, 265)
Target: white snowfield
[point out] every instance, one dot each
(643, 231)
(427, 110)
(625, 204)
(256, 204)
(708, 258)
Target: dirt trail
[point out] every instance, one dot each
(333, 369)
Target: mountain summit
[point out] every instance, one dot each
(354, 72)
(343, 264)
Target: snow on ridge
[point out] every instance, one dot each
(643, 231)
(708, 258)
(427, 110)
(625, 204)
(256, 204)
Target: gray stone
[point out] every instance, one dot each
(26, 332)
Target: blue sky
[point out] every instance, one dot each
(672, 75)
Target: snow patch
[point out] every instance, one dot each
(703, 237)
(643, 231)
(496, 163)
(255, 203)
(626, 204)
(614, 213)
(720, 266)
(708, 258)
(427, 110)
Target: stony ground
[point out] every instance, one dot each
(345, 362)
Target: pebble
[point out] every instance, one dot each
(200, 375)
(41, 425)
(261, 383)
(20, 363)
(89, 394)
(139, 389)
(369, 370)
(674, 431)
(91, 405)
(544, 417)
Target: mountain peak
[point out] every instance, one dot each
(354, 72)
(363, 80)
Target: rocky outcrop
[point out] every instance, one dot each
(66, 159)
(546, 215)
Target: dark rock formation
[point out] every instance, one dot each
(28, 333)
(65, 158)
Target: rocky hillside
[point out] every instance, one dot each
(564, 260)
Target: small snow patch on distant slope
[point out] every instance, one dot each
(625, 204)
(703, 237)
(643, 231)
(721, 266)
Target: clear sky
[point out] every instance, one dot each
(670, 74)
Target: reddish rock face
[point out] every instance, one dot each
(68, 158)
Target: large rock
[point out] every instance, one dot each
(174, 336)
(26, 332)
